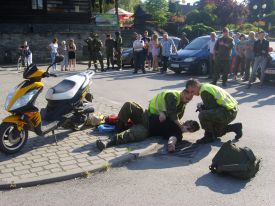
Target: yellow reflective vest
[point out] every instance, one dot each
(222, 97)
(157, 104)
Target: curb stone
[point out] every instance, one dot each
(116, 162)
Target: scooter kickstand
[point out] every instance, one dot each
(53, 133)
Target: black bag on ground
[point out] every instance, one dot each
(235, 161)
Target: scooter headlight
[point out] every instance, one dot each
(8, 99)
(24, 100)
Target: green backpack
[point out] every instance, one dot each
(235, 161)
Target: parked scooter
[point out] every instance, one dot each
(69, 105)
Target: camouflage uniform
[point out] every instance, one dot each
(109, 44)
(89, 42)
(118, 49)
(96, 52)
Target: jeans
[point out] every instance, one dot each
(53, 55)
(259, 62)
(165, 63)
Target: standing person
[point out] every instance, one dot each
(96, 52)
(53, 50)
(183, 41)
(223, 50)
(146, 58)
(26, 54)
(148, 125)
(64, 52)
(71, 54)
(240, 59)
(261, 48)
(168, 47)
(89, 42)
(109, 45)
(118, 50)
(216, 113)
(211, 45)
(249, 55)
(155, 47)
(138, 46)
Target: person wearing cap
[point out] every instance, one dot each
(146, 124)
(89, 42)
(109, 45)
(261, 48)
(118, 49)
(96, 52)
(183, 41)
(223, 52)
(216, 112)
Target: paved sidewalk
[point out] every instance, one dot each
(42, 161)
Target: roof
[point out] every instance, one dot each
(120, 12)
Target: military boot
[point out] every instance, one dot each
(207, 138)
(103, 144)
(237, 128)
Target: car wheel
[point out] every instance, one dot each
(203, 67)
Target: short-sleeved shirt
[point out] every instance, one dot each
(54, 47)
(167, 45)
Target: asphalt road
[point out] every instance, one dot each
(162, 179)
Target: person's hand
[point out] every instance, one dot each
(199, 107)
(162, 117)
(171, 147)
(221, 43)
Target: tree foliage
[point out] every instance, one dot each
(243, 28)
(129, 5)
(158, 9)
(196, 30)
(258, 13)
(205, 16)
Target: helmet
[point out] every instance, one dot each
(32, 71)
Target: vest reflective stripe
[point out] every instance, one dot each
(221, 96)
(157, 104)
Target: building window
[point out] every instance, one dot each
(37, 4)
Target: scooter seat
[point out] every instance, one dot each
(63, 86)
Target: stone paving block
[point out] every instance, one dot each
(49, 154)
(21, 172)
(67, 163)
(92, 158)
(54, 161)
(45, 172)
(84, 164)
(5, 175)
(53, 157)
(36, 169)
(27, 176)
(2, 171)
(19, 159)
(54, 170)
(40, 164)
(28, 162)
(13, 165)
(70, 167)
(51, 166)
(22, 167)
(34, 157)
(40, 159)
(64, 159)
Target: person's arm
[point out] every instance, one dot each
(174, 49)
(208, 100)
(171, 108)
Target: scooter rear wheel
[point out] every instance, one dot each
(11, 139)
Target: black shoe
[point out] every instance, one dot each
(224, 84)
(103, 144)
(248, 86)
(238, 130)
(208, 138)
(135, 72)
(214, 83)
(143, 71)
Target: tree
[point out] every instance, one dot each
(129, 5)
(158, 9)
(253, 13)
(205, 16)
(227, 11)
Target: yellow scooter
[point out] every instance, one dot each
(69, 105)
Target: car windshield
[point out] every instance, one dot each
(197, 43)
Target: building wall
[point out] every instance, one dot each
(40, 36)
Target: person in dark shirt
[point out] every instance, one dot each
(109, 45)
(183, 42)
(146, 125)
(261, 47)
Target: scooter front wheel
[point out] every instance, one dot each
(11, 139)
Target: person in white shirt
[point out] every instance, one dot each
(211, 45)
(53, 50)
(138, 46)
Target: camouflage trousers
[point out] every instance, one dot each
(216, 120)
(139, 130)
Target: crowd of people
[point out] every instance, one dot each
(238, 55)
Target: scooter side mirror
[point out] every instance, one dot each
(59, 59)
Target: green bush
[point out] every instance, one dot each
(196, 30)
(243, 28)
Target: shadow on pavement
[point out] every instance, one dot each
(221, 184)
(37, 142)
